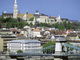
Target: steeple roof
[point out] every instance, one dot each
(15, 9)
(15, 1)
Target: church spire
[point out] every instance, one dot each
(15, 1)
(59, 19)
(15, 12)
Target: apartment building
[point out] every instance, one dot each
(1, 44)
(27, 46)
(5, 35)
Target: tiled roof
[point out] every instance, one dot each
(20, 15)
(40, 14)
(37, 30)
(52, 17)
(29, 15)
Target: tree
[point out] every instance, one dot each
(19, 51)
(44, 25)
(60, 26)
(11, 23)
(21, 24)
(67, 25)
(31, 19)
(49, 50)
(31, 24)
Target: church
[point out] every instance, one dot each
(16, 13)
(31, 18)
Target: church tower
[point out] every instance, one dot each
(15, 11)
(59, 19)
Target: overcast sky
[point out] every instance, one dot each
(65, 8)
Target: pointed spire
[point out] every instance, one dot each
(15, 1)
(15, 9)
(59, 17)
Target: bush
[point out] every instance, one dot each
(19, 51)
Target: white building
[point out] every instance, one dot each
(52, 20)
(15, 13)
(43, 19)
(27, 46)
(58, 19)
(36, 33)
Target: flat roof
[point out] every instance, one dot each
(24, 41)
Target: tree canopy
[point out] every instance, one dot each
(19, 23)
(19, 51)
(49, 50)
(11, 23)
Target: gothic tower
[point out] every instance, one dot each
(59, 19)
(15, 11)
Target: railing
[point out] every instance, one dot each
(71, 46)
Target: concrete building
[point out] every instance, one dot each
(42, 19)
(52, 20)
(36, 33)
(5, 35)
(5, 31)
(7, 15)
(1, 44)
(27, 46)
(58, 19)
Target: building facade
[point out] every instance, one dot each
(5, 35)
(15, 12)
(27, 46)
(1, 44)
(39, 17)
(36, 33)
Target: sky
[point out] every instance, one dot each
(65, 8)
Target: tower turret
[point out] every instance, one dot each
(15, 11)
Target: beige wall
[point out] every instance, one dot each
(1, 44)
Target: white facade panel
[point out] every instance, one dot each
(25, 46)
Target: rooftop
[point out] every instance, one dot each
(25, 41)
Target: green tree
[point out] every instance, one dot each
(49, 50)
(60, 26)
(21, 24)
(31, 19)
(19, 51)
(44, 25)
(31, 24)
(67, 25)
